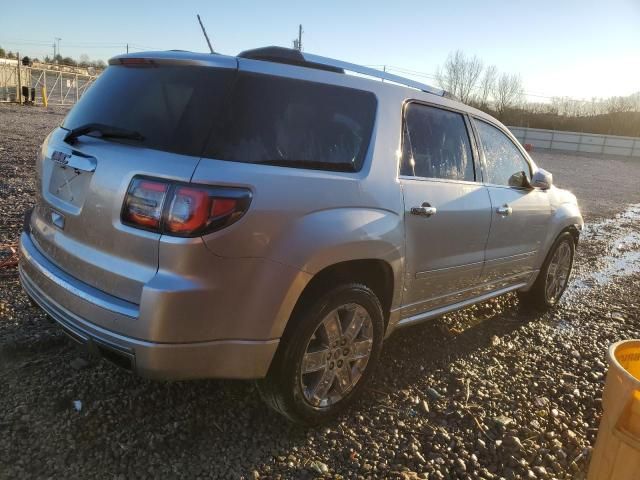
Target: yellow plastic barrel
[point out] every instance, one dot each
(616, 455)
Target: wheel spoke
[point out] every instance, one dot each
(314, 361)
(550, 287)
(355, 325)
(344, 380)
(332, 328)
(361, 349)
(564, 257)
(321, 389)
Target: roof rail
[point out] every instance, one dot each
(372, 72)
(295, 57)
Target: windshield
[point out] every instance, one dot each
(172, 107)
(226, 115)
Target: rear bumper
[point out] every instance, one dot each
(72, 304)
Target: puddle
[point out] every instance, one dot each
(620, 239)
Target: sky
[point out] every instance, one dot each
(581, 49)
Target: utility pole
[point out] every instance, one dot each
(19, 88)
(53, 60)
(127, 48)
(297, 43)
(57, 39)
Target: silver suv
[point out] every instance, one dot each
(270, 217)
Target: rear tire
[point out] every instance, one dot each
(326, 356)
(553, 277)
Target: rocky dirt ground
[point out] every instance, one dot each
(492, 391)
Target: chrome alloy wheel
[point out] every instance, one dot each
(558, 272)
(336, 355)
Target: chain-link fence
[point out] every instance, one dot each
(60, 87)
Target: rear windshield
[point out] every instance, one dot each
(241, 117)
(173, 108)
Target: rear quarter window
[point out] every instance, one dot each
(281, 121)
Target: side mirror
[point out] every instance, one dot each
(519, 180)
(542, 179)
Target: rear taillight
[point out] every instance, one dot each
(144, 201)
(183, 210)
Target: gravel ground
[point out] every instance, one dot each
(603, 184)
(489, 392)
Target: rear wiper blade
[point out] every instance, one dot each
(312, 164)
(105, 131)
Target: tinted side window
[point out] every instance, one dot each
(295, 123)
(436, 144)
(502, 157)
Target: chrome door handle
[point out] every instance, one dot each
(504, 210)
(425, 210)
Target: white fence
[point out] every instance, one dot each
(578, 142)
(62, 87)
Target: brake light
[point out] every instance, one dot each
(136, 62)
(143, 203)
(182, 210)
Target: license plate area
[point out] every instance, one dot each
(69, 184)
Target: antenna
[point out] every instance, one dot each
(205, 34)
(297, 42)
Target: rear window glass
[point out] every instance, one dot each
(173, 108)
(281, 121)
(227, 115)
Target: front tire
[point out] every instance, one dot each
(326, 356)
(554, 275)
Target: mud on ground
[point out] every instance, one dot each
(492, 391)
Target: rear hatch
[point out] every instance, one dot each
(161, 110)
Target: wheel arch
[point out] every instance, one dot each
(566, 218)
(377, 274)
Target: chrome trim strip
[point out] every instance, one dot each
(87, 293)
(372, 72)
(511, 258)
(457, 268)
(456, 306)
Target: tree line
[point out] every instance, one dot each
(502, 95)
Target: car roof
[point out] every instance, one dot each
(291, 60)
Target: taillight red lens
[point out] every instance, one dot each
(189, 210)
(182, 210)
(223, 206)
(144, 201)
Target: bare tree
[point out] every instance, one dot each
(84, 60)
(487, 85)
(459, 75)
(508, 92)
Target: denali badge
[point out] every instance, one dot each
(60, 158)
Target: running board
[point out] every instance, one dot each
(422, 317)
